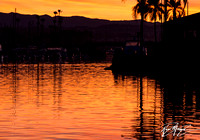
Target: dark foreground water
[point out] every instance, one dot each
(85, 102)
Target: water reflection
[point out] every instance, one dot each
(148, 110)
(83, 101)
(161, 104)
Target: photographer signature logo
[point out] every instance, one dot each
(174, 129)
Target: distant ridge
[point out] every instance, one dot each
(73, 21)
(119, 28)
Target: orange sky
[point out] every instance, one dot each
(104, 9)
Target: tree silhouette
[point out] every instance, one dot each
(141, 8)
(59, 11)
(54, 20)
(185, 2)
(155, 10)
(55, 13)
(165, 10)
(60, 19)
(175, 10)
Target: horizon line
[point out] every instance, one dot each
(87, 17)
(75, 16)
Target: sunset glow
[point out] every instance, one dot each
(112, 9)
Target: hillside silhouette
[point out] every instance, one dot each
(102, 30)
(27, 37)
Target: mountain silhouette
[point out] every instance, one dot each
(122, 30)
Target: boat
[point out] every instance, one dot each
(131, 54)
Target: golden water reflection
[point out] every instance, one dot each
(83, 101)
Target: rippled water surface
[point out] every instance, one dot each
(84, 101)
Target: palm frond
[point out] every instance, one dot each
(135, 11)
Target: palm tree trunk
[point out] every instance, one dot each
(165, 14)
(155, 31)
(141, 32)
(174, 13)
(187, 8)
(162, 24)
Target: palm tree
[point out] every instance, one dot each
(175, 9)
(141, 8)
(54, 21)
(185, 2)
(55, 13)
(165, 9)
(60, 19)
(155, 10)
(59, 11)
